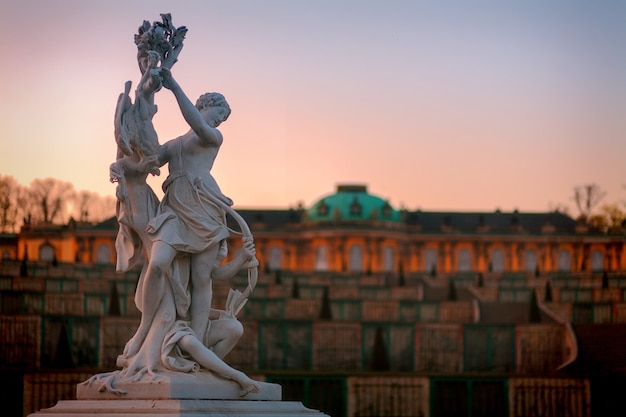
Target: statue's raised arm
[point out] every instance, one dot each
(158, 47)
(203, 126)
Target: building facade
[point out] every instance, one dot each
(360, 308)
(352, 230)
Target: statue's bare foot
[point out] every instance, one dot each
(247, 385)
(127, 349)
(140, 373)
(133, 345)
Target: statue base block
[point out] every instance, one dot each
(175, 394)
(176, 385)
(178, 408)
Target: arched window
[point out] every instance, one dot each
(530, 260)
(322, 208)
(103, 254)
(387, 210)
(465, 260)
(497, 260)
(388, 259)
(565, 260)
(321, 258)
(597, 260)
(46, 252)
(356, 258)
(430, 259)
(355, 208)
(276, 258)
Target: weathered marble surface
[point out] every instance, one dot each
(181, 386)
(174, 364)
(177, 408)
(181, 240)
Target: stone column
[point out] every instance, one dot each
(441, 258)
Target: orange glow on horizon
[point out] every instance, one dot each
(434, 107)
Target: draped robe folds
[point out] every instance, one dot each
(189, 220)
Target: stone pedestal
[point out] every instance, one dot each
(176, 394)
(178, 408)
(176, 386)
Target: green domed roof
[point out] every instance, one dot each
(352, 203)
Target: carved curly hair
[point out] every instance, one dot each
(212, 100)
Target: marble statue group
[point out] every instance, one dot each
(180, 242)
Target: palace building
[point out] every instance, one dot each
(352, 230)
(360, 308)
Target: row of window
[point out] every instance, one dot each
(464, 264)
(356, 258)
(103, 253)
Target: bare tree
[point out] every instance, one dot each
(12, 196)
(558, 207)
(84, 200)
(611, 216)
(49, 200)
(104, 209)
(92, 207)
(587, 198)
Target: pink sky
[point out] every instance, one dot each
(447, 105)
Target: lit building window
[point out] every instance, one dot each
(103, 254)
(46, 253)
(497, 260)
(356, 258)
(389, 259)
(321, 258)
(597, 260)
(276, 258)
(430, 259)
(465, 260)
(565, 260)
(530, 260)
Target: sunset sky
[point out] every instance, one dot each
(435, 105)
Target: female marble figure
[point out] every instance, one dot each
(182, 238)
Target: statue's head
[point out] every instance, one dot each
(209, 100)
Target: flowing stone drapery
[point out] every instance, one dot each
(166, 341)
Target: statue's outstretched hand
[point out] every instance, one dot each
(248, 250)
(150, 165)
(167, 78)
